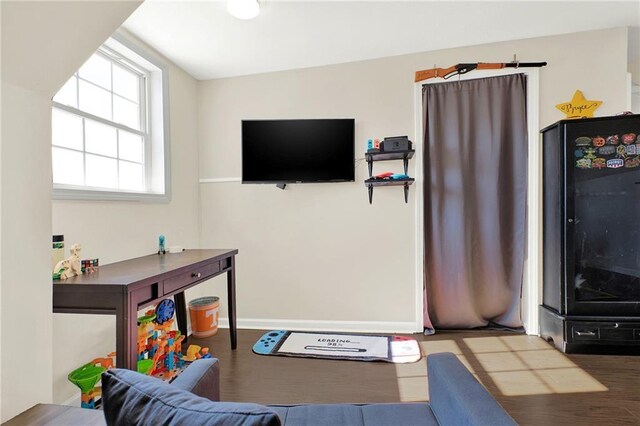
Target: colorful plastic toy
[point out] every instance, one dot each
(195, 352)
(165, 310)
(192, 353)
(159, 346)
(87, 377)
(159, 354)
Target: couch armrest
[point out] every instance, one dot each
(457, 398)
(201, 378)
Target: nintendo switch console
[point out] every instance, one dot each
(396, 143)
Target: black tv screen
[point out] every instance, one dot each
(298, 151)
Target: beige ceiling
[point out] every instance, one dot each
(203, 39)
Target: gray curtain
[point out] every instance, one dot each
(475, 160)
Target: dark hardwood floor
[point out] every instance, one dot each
(534, 382)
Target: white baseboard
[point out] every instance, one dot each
(320, 325)
(74, 401)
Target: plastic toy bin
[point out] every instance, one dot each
(204, 313)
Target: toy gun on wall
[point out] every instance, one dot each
(465, 68)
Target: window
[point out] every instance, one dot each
(109, 127)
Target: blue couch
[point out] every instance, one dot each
(456, 398)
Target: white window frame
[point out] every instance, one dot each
(532, 277)
(155, 110)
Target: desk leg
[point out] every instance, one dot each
(231, 295)
(126, 334)
(181, 312)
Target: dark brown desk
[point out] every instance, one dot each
(123, 288)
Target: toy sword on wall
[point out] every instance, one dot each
(465, 68)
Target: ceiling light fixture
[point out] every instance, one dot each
(243, 9)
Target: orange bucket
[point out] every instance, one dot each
(204, 313)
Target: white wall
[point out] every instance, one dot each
(634, 69)
(117, 230)
(319, 254)
(26, 291)
(43, 43)
(1, 108)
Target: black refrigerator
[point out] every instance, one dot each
(591, 234)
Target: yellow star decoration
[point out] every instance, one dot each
(579, 107)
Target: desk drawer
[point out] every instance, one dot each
(187, 278)
(143, 295)
(225, 263)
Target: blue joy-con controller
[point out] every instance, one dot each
(268, 341)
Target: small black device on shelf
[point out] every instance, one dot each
(396, 143)
(387, 155)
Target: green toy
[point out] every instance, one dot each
(86, 378)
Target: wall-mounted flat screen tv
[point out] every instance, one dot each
(298, 151)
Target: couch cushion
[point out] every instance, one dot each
(408, 414)
(457, 398)
(130, 398)
(202, 378)
(398, 414)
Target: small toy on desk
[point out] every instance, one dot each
(161, 249)
(69, 267)
(58, 252)
(60, 268)
(89, 266)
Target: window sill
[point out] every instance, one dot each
(97, 195)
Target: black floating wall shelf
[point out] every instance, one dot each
(372, 156)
